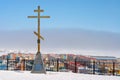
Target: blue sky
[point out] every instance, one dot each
(90, 27)
(102, 15)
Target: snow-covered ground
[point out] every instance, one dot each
(26, 75)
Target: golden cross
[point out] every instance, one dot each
(38, 33)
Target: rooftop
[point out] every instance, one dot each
(104, 57)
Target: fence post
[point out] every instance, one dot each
(57, 64)
(75, 65)
(49, 63)
(93, 67)
(113, 68)
(7, 62)
(104, 67)
(66, 64)
(23, 64)
(52, 62)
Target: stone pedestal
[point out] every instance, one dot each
(38, 66)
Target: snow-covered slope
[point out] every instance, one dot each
(26, 75)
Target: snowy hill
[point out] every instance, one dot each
(26, 75)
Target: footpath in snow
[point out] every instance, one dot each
(26, 75)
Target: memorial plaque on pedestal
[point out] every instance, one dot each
(38, 66)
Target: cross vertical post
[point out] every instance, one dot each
(38, 28)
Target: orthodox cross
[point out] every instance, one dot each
(38, 33)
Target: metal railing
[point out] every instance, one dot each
(76, 66)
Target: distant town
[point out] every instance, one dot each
(55, 62)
